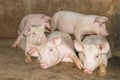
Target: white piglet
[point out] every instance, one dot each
(31, 21)
(31, 38)
(94, 51)
(58, 48)
(79, 24)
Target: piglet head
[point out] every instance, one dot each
(36, 34)
(91, 55)
(100, 26)
(49, 53)
(45, 18)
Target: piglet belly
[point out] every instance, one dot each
(67, 59)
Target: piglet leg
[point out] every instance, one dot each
(102, 69)
(16, 43)
(76, 60)
(33, 51)
(37, 60)
(28, 58)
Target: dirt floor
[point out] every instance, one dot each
(13, 67)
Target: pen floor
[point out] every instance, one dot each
(13, 67)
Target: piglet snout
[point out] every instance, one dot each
(44, 66)
(43, 39)
(105, 34)
(88, 71)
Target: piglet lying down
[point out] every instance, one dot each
(94, 51)
(32, 37)
(28, 23)
(58, 48)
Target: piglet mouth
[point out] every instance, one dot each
(44, 66)
(88, 71)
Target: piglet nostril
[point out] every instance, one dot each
(106, 34)
(44, 66)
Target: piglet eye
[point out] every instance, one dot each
(100, 24)
(50, 49)
(83, 55)
(96, 56)
(34, 33)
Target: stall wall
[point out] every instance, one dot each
(12, 11)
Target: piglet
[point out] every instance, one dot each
(94, 51)
(31, 38)
(58, 48)
(31, 21)
(79, 24)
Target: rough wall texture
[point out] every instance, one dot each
(115, 30)
(12, 11)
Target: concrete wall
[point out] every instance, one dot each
(12, 11)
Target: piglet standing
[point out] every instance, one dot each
(94, 51)
(79, 24)
(30, 21)
(31, 37)
(58, 48)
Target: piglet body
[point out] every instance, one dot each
(29, 39)
(79, 24)
(29, 22)
(58, 48)
(94, 51)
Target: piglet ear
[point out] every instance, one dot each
(56, 41)
(104, 47)
(101, 19)
(33, 51)
(78, 46)
(27, 31)
(46, 17)
(47, 27)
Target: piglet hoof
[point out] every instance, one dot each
(77, 61)
(28, 60)
(14, 46)
(37, 61)
(80, 66)
(102, 72)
